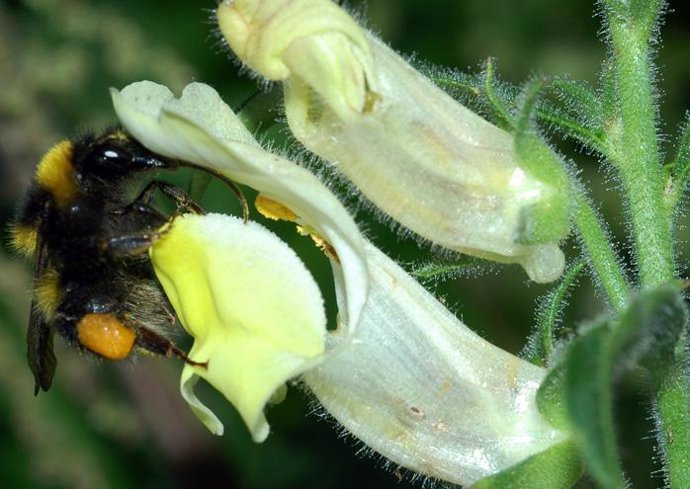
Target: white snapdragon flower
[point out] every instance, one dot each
(400, 372)
(422, 158)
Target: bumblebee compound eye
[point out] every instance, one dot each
(113, 158)
(106, 336)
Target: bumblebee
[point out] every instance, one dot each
(94, 284)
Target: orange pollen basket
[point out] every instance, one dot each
(105, 335)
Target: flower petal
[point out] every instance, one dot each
(201, 129)
(254, 311)
(422, 389)
(313, 39)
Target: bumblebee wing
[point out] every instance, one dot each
(39, 336)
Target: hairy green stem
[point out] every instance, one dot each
(602, 257)
(637, 152)
(672, 417)
(632, 27)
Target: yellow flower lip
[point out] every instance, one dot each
(254, 311)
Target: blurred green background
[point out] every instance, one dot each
(106, 425)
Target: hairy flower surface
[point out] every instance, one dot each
(425, 160)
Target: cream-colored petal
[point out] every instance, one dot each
(422, 389)
(313, 39)
(200, 128)
(434, 166)
(254, 311)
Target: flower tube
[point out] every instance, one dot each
(418, 386)
(420, 157)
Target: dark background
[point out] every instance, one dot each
(125, 425)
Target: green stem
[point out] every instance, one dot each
(636, 149)
(636, 154)
(602, 257)
(672, 417)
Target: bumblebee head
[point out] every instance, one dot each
(114, 156)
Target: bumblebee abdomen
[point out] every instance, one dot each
(48, 292)
(24, 238)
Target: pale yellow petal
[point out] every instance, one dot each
(254, 311)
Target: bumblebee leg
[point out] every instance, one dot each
(233, 186)
(129, 244)
(142, 202)
(183, 202)
(157, 344)
(141, 208)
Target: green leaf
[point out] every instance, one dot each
(607, 87)
(578, 115)
(581, 100)
(559, 467)
(499, 105)
(551, 398)
(496, 101)
(463, 87)
(612, 123)
(648, 332)
(588, 403)
(462, 265)
(483, 93)
(645, 335)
